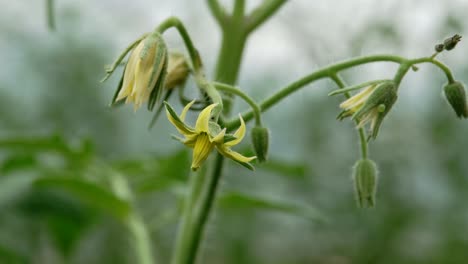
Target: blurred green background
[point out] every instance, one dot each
(65, 155)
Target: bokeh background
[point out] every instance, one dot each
(62, 148)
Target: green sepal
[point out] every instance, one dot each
(160, 69)
(174, 115)
(385, 94)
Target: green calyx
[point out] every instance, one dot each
(260, 142)
(377, 106)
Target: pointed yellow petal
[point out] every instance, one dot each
(229, 153)
(185, 110)
(219, 139)
(201, 150)
(239, 134)
(129, 74)
(357, 99)
(179, 125)
(203, 118)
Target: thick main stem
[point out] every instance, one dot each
(199, 206)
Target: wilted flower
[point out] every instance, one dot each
(144, 73)
(370, 105)
(456, 96)
(207, 135)
(177, 70)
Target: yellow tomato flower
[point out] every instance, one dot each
(370, 105)
(207, 135)
(144, 72)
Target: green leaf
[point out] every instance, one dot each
(8, 255)
(236, 200)
(90, 193)
(286, 168)
(14, 186)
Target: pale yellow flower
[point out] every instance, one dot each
(207, 135)
(370, 105)
(145, 72)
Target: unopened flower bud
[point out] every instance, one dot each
(260, 141)
(365, 182)
(451, 42)
(439, 47)
(456, 96)
(177, 70)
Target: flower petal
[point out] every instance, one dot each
(229, 153)
(203, 118)
(174, 119)
(239, 134)
(201, 150)
(129, 73)
(237, 157)
(219, 139)
(185, 110)
(358, 98)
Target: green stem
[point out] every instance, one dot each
(185, 230)
(322, 73)
(134, 221)
(218, 12)
(193, 52)
(231, 89)
(50, 14)
(362, 133)
(437, 63)
(227, 70)
(262, 13)
(203, 209)
(196, 62)
(141, 237)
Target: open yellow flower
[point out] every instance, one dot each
(207, 135)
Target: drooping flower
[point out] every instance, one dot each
(370, 105)
(144, 73)
(207, 135)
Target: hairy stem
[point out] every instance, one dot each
(262, 13)
(317, 75)
(193, 52)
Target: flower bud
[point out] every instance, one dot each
(144, 72)
(365, 182)
(260, 142)
(451, 42)
(177, 70)
(456, 96)
(439, 47)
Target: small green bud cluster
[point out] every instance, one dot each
(456, 96)
(365, 182)
(448, 44)
(260, 142)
